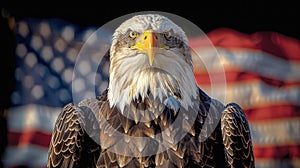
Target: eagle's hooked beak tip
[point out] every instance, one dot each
(150, 41)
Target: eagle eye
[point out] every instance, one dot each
(132, 34)
(168, 34)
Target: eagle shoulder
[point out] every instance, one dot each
(71, 145)
(237, 137)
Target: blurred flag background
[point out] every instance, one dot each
(262, 75)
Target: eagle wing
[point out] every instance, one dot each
(236, 137)
(71, 145)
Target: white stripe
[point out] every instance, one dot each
(31, 156)
(256, 93)
(32, 117)
(251, 60)
(277, 132)
(272, 163)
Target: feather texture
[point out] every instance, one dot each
(236, 137)
(228, 145)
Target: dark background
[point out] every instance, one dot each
(244, 16)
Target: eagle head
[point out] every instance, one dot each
(150, 59)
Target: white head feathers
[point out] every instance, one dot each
(132, 77)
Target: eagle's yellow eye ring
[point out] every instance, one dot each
(132, 34)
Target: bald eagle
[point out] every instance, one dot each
(153, 114)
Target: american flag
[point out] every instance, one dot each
(261, 70)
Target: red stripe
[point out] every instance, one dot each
(272, 111)
(29, 137)
(204, 78)
(277, 152)
(270, 42)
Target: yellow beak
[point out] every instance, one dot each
(150, 40)
(148, 44)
